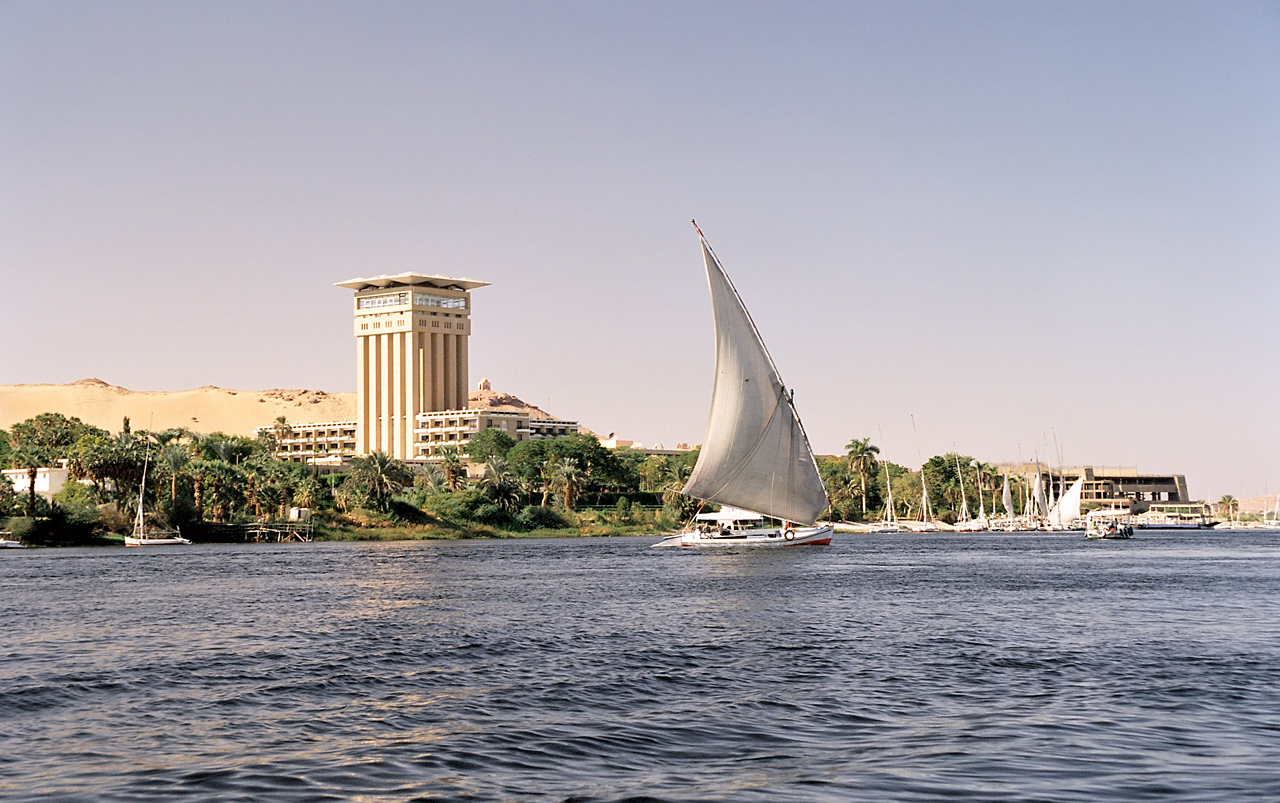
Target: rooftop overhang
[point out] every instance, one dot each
(410, 280)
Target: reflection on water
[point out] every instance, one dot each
(886, 667)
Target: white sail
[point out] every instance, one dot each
(755, 454)
(1067, 508)
(1007, 498)
(1037, 495)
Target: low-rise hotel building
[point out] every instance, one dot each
(327, 446)
(1111, 486)
(456, 428)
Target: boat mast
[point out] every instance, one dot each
(139, 530)
(964, 500)
(888, 486)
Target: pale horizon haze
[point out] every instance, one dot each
(1015, 224)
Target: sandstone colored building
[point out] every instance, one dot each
(412, 367)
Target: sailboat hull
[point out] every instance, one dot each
(130, 540)
(800, 536)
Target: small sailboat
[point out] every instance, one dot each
(755, 458)
(889, 524)
(150, 537)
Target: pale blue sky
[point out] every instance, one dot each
(1013, 221)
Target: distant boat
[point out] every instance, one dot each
(1065, 513)
(755, 456)
(6, 543)
(150, 537)
(1108, 524)
(888, 524)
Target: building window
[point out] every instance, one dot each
(425, 300)
(386, 300)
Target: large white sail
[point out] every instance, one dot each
(755, 454)
(1007, 498)
(1067, 508)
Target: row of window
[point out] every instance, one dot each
(401, 299)
(421, 322)
(333, 433)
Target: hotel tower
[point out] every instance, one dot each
(411, 355)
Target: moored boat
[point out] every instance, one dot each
(8, 543)
(150, 536)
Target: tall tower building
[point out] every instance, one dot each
(411, 354)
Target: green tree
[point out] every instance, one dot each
(453, 466)
(430, 479)
(1228, 505)
(861, 454)
(382, 476)
(568, 480)
(501, 485)
(653, 473)
(674, 480)
(41, 441)
(8, 498)
(219, 487)
(5, 449)
(489, 442)
(174, 458)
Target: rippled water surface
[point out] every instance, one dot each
(884, 667)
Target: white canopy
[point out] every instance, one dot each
(729, 514)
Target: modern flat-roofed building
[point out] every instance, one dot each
(1106, 486)
(411, 354)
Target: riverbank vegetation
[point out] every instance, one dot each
(207, 484)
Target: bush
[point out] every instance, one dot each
(460, 506)
(58, 529)
(536, 517)
(404, 510)
(77, 495)
(113, 519)
(491, 515)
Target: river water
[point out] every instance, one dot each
(884, 667)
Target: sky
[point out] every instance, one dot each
(1011, 229)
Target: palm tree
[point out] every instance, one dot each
(280, 430)
(225, 450)
(453, 465)
(171, 435)
(382, 475)
(862, 459)
(568, 480)
(431, 480)
(501, 485)
(175, 457)
(1228, 505)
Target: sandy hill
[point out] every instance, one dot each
(207, 409)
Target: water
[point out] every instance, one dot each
(885, 667)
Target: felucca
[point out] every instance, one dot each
(141, 535)
(755, 460)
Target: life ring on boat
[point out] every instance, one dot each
(789, 534)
